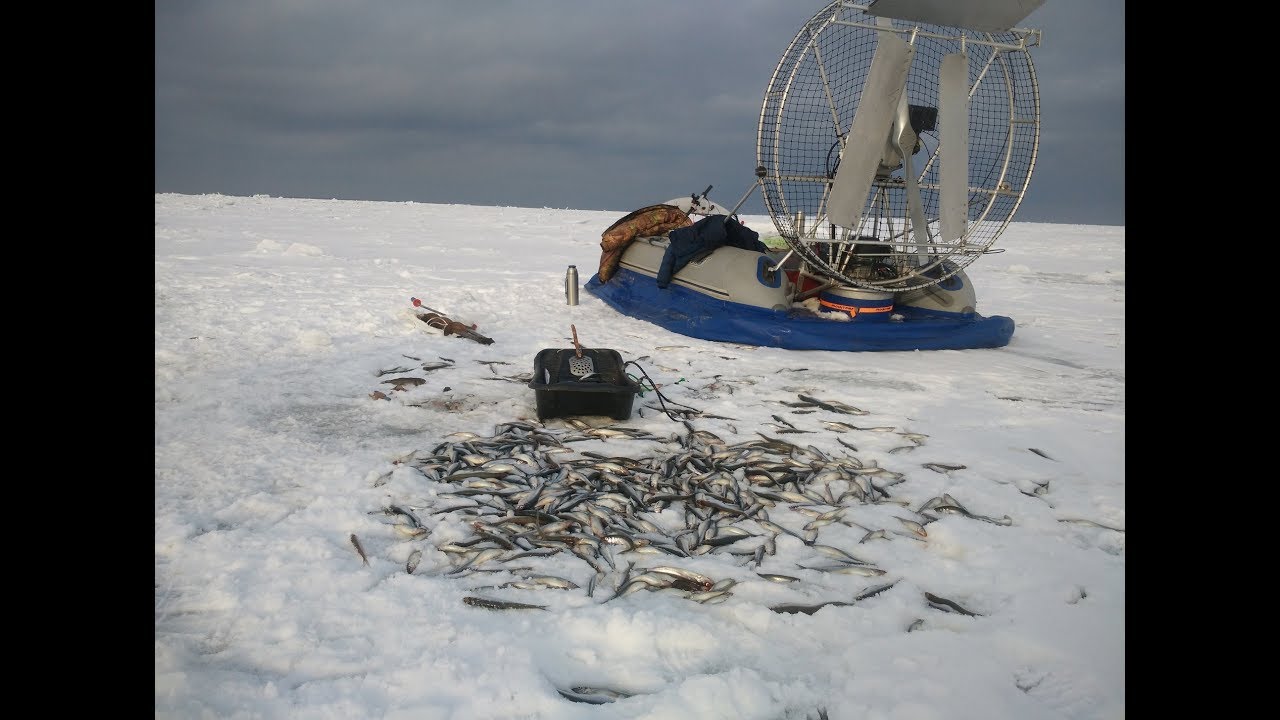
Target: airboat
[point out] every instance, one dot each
(895, 143)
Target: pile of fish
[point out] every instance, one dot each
(525, 493)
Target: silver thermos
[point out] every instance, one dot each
(571, 285)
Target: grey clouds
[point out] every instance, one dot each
(551, 103)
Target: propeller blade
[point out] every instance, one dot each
(919, 225)
(864, 146)
(953, 147)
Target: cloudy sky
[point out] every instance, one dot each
(555, 103)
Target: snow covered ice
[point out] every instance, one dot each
(277, 320)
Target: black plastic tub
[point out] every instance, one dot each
(560, 393)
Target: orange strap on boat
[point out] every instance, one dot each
(854, 309)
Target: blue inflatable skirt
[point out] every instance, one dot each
(694, 314)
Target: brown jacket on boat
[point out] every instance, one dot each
(645, 222)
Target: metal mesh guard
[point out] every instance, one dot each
(808, 111)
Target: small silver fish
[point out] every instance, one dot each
(552, 581)
(915, 527)
(873, 535)
(793, 608)
(784, 422)
(401, 383)
(946, 605)
(1083, 521)
(943, 467)
(846, 569)
(391, 371)
(710, 597)
(355, 541)
(873, 591)
(772, 577)
(594, 696)
(838, 554)
(493, 604)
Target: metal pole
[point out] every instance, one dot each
(760, 173)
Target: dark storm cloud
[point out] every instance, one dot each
(558, 103)
(1080, 65)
